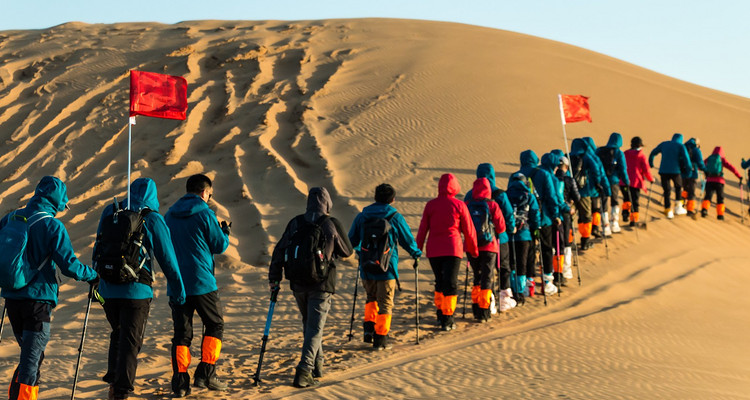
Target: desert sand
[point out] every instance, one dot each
(279, 107)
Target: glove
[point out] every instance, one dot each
(93, 285)
(226, 227)
(273, 285)
(416, 262)
(176, 300)
(536, 234)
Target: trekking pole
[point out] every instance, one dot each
(541, 269)
(354, 306)
(2, 323)
(559, 266)
(466, 286)
(648, 204)
(742, 203)
(416, 292)
(515, 285)
(83, 338)
(274, 296)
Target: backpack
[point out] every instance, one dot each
(15, 270)
(304, 256)
(119, 253)
(521, 207)
(609, 160)
(576, 166)
(480, 216)
(375, 250)
(713, 165)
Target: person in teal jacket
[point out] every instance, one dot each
(30, 307)
(690, 179)
(675, 161)
(550, 162)
(527, 213)
(616, 170)
(197, 236)
(588, 175)
(381, 287)
(486, 170)
(127, 305)
(598, 203)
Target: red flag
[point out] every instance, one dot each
(158, 95)
(575, 108)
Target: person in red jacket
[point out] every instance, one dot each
(483, 210)
(715, 164)
(638, 173)
(446, 218)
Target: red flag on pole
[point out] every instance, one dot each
(575, 108)
(158, 95)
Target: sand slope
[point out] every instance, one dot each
(279, 107)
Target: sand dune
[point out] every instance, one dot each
(279, 107)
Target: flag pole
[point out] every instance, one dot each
(131, 121)
(562, 117)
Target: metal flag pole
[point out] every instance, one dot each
(131, 122)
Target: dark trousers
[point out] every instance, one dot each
(127, 317)
(504, 271)
(446, 274)
(208, 307)
(522, 258)
(667, 180)
(632, 195)
(714, 187)
(314, 306)
(567, 229)
(547, 241)
(690, 188)
(30, 322)
(482, 267)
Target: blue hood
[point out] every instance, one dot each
(50, 195)
(486, 170)
(615, 140)
(189, 204)
(550, 161)
(529, 159)
(559, 153)
(677, 138)
(516, 186)
(578, 147)
(143, 195)
(590, 145)
(690, 144)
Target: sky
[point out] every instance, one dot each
(703, 42)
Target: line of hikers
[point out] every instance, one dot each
(509, 232)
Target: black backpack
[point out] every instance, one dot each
(120, 253)
(480, 216)
(576, 165)
(375, 250)
(304, 256)
(609, 160)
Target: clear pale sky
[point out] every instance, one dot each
(703, 42)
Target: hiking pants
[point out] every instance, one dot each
(666, 184)
(567, 230)
(379, 304)
(314, 306)
(446, 282)
(127, 318)
(688, 193)
(504, 272)
(614, 198)
(208, 307)
(547, 242)
(30, 322)
(711, 188)
(523, 258)
(483, 268)
(631, 202)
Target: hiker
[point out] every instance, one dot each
(30, 307)
(690, 179)
(674, 162)
(526, 212)
(616, 170)
(313, 284)
(488, 223)
(196, 237)
(550, 162)
(601, 191)
(446, 218)
(541, 183)
(127, 305)
(746, 166)
(572, 198)
(375, 234)
(715, 164)
(505, 300)
(638, 173)
(587, 175)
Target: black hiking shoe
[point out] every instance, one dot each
(720, 217)
(448, 323)
(704, 213)
(585, 244)
(303, 379)
(369, 328)
(381, 342)
(476, 311)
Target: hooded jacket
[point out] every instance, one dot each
(594, 173)
(638, 169)
(620, 172)
(158, 243)
(543, 186)
(337, 244)
(720, 179)
(486, 170)
(602, 187)
(482, 192)
(674, 156)
(696, 159)
(196, 237)
(445, 218)
(550, 161)
(517, 189)
(400, 234)
(48, 238)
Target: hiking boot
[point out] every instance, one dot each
(484, 315)
(381, 342)
(476, 311)
(303, 379)
(607, 231)
(317, 372)
(625, 215)
(669, 213)
(205, 377)
(506, 301)
(680, 209)
(369, 328)
(560, 279)
(549, 287)
(181, 393)
(440, 317)
(596, 231)
(632, 224)
(585, 244)
(448, 323)
(720, 217)
(704, 213)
